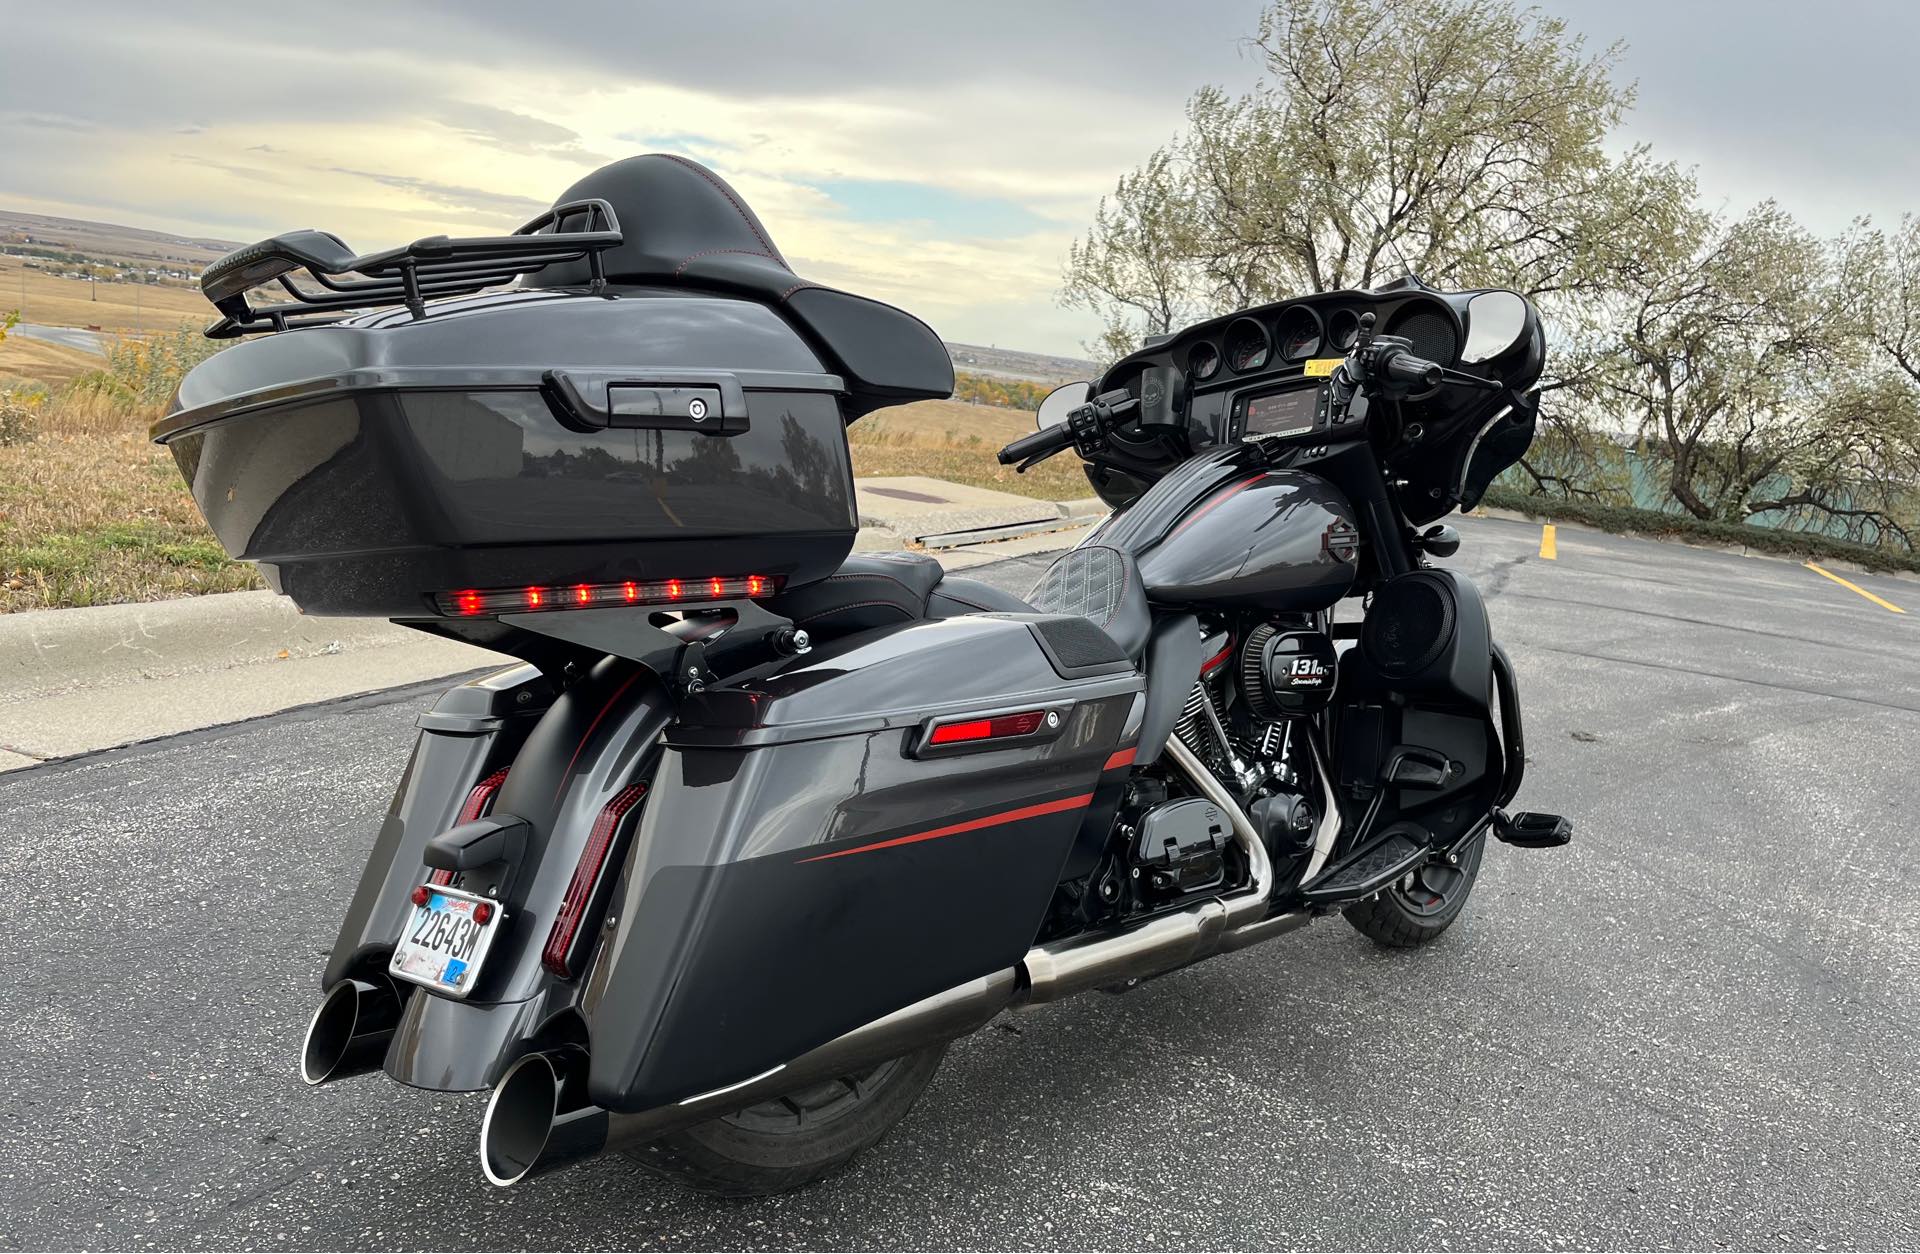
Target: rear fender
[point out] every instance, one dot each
(598, 739)
(472, 731)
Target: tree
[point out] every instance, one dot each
(1462, 141)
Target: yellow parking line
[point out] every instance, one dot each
(1849, 584)
(1549, 547)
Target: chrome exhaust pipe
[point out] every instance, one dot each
(539, 1118)
(349, 1033)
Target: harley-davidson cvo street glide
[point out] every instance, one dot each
(755, 828)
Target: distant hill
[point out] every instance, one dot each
(133, 245)
(109, 241)
(1008, 363)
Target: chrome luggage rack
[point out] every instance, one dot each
(423, 270)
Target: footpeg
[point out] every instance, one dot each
(1370, 870)
(1531, 830)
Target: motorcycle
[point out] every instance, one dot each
(753, 829)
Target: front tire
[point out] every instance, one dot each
(792, 1141)
(1422, 904)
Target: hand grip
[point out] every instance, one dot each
(1042, 443)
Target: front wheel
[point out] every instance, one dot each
(1421, 904)
(791, 1141)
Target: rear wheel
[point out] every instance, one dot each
(792, 1141)
(1421, 904)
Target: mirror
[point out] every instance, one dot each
(1494, 321)
(1060, 402)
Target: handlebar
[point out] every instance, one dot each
(1085, 426)
(1043, 443)
(1402, 367)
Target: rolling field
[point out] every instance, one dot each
(110, 306)
(35, 361)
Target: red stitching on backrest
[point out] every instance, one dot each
(708, 252)
(733, 200)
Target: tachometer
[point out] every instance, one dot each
(1203, 361)
(1343, 328)
(1246, 346)
(1298, 331)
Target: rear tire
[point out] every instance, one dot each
(1422, 904)
(792, 1141)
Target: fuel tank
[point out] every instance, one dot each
(1223, 529)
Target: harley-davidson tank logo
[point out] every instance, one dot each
(1341, 540)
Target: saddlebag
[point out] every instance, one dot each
(815, 852)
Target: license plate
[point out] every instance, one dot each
(442, 944)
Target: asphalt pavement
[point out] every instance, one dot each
(1696, 1027)
(69, 337)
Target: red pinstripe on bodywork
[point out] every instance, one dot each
(1123, 758)
(971, 825)
(1231, 492)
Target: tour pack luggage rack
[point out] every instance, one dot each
(427, 268)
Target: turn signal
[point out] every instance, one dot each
(558, 954)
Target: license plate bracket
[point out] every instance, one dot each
(444, 942)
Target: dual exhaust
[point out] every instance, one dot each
(539, 1119)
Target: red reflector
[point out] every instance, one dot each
(482, 912)
(478, 802)
(557, 955)
(954, 733)
(1024, 724)
(421, 895)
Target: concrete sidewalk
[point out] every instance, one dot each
(80, 680)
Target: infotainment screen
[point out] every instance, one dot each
(1293, 412)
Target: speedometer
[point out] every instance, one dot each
(1298, 331)
(1246, 346)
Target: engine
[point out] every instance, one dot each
(1239, 720)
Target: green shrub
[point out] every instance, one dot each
(1626, 519)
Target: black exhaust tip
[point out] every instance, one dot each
(534, 1123)
(349, 1033)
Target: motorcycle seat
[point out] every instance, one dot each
(872, 590)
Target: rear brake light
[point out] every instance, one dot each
(478, 802)
(473, 602)
(1024, 724)
(557, 956)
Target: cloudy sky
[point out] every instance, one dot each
(941, 157)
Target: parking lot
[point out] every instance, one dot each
(1695, 1027)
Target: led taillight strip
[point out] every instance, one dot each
(478, 802)
(472, 602)
(557, 956)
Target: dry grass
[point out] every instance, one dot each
(955, 441)
(92, 513)
(35, 361)
(52, 302)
